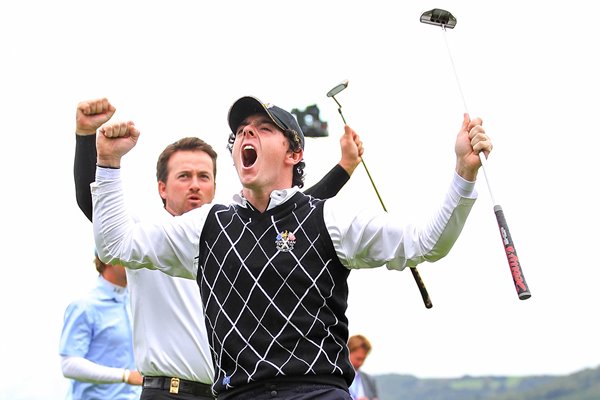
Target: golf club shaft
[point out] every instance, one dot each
(362, 160)
(415, 272)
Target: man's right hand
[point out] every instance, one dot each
(352, 150)
(135, 378)
(113, 141)
(91, 114)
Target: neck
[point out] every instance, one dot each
(260, 197)
(114, 278)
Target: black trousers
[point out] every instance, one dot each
(290, 391)
(161, 394)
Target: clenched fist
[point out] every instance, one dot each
(91, 114)
(113, 141)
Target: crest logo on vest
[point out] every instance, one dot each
(285, 241)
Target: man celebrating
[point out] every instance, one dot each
(171, 345)
(275, 314)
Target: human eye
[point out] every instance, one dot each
(267, 127)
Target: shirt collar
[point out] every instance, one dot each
(111, 291)
(277, 197)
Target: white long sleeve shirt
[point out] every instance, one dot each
(362, 239)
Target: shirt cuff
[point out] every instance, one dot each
(464, 187)
(107, 174)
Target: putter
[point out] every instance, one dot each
(420, 284)
(445, 19)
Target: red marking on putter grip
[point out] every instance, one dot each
(511, 256)
(515, 268)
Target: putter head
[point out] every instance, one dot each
(343, 85)
(439, 17)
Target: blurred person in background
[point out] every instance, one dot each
(363, 387)
(96, 344)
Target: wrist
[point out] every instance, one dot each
(348, 167)
(84, 132)
(467, 174)
(108, 163)
(126, 374)
(466, 170)
(106, 166)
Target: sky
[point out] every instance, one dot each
(528, 69)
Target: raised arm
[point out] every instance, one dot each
(90, 115)
(169, 244)
(336, 178)
(356, 237)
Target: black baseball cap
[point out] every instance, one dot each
(248, 105)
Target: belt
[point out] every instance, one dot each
(176, 385)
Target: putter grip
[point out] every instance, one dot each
(511, 256)
(421, 287)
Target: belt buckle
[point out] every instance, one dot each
(174, 388)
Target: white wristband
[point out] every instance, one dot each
(126, 374)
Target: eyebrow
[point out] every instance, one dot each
(264, 120)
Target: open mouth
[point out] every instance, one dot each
(248, 155)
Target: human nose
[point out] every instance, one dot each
(248, 130)
(195, 184)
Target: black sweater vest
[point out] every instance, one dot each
(274, 292)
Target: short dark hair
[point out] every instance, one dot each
(295, 146)
(184, 144)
